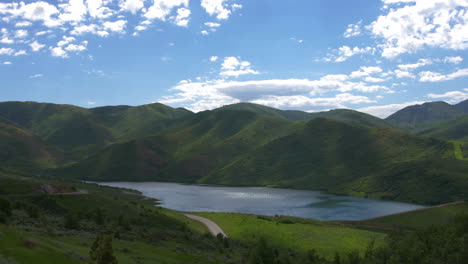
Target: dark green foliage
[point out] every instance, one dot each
(5, 207)
(99, 217)
(71, 222)
(101, 250)
(453, 130)
(262, 253)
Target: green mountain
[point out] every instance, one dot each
(344, 115)
(452, 130)
(80, 132)
(21, 150)
(339, 158)
(187, 151)
(244, 148)
(417, 118)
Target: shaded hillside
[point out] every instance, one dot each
(428, 115)
(187, 151)
(453, 130)
(80, 132)
(343, 115)
(20, 150)
(243, 148)
(353, 160)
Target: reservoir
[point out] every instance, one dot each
(264, 201)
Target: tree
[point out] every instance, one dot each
(99, 217)
(70, 222)
(5, 207)
(102, 251)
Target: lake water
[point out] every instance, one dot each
(264, 201)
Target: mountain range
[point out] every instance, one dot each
(406, 156)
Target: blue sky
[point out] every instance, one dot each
(374, 56)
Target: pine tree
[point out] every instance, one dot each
(101, 251)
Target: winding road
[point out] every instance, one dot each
(212, 226)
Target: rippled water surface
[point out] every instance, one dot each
(264, 201)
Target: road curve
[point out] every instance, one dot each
(212, 226)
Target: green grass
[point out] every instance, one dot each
(75, 249)
(299, 234)
(459, 150)
(425, 218)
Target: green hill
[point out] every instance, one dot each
(417, 118)
(343, 115)
(339, 158)
(452, 130)
(20, 150)
(243, 148)
(80, 132)
(188, 150)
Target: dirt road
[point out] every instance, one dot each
(212, 226)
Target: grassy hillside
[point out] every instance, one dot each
(336, 157)
(452, 130)
(80, 132)
(418, 118)
(421, 219)
(21, 150)
(343, 115)
(187, 151)
(300, 234)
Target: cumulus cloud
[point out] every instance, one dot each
(161, 9)
(353, 30)
(21, 33)
(182, 18)
(365, 71)
(219, 8)
(453, 60)
(7, 63)
(6, 51)
(132, 6)
(203, 95)
(36, 46)
(428, 76)
(116, 26)
(213, 58)
(420, 63)
(58, 52)
(451, 97)
(235, 67)
(343, 53)
(409, 26)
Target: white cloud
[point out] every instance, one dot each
(116, 26)
(346, 52)
(65, 40)
(219, 8)
(20, 52)
(297, 40)
(39, 75)
(132, 6)
(213, 58)
(77, 48)
(58, 52)
(411, 27)
(452, 97)
(384, 111)
(374, 80)
(453, 60)
(428, 76)
(365, 71)
(74, 10)
(23, 24)
(38, 11)
(403, 74)
(161, 9)
(36, 46)
(204, 32)
(234, 67)
(21, 33)
(7, 63)
(182, 18)
(353, 30)
(6, 51)
(420, 63)
(202, 95)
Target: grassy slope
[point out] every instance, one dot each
(354, 160)
(425, 218)
(21, 150)
(80, 132)
(300, 234)
(187, 151)
(428, 116)
(343, 115)
(154, 234)
(453, 130)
